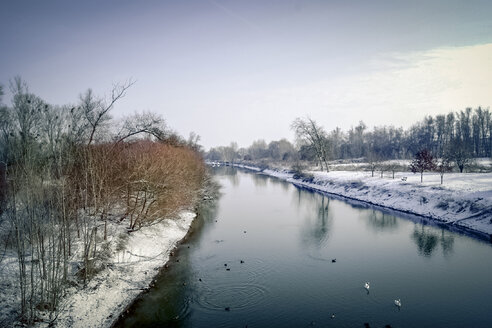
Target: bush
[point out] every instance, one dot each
(154, 180)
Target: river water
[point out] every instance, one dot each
(263, 256)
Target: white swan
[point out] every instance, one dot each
(366, 285)
(398, 302)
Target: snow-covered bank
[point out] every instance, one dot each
(130, 272)
(464, 200)
(135, 260)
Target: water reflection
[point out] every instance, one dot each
(380, 221)
(287, 278)
(447, 242)
(282, 184)
(317, 221)
(228, 171)
(259, 180)
(169, 306)
(208, 211)
(427, 240)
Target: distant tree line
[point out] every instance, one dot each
(66, 170)
(456, 136)
(281, 150)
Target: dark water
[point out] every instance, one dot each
(287, 238)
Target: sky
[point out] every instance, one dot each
(244, 70)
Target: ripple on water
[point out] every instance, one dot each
(251, 271)
(184, 310)
(237, 297)
(168, 314)
(243, 287)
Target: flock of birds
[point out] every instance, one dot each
(367, 285)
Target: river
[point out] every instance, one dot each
(269, 254)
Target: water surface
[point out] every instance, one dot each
(287, 239)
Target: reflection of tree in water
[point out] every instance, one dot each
(275, 181)
(305, 198)
(208, 210)
(318, 221)
(228, 171)
(427, 241)
(447, 242)
(380, 221)
(259, 180)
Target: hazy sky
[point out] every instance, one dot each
(244, 70)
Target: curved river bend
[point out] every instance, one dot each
(263, 257)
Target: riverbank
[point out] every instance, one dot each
(131, 271)
(464, 200)
(132, 263)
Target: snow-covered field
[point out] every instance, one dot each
(464, 200)
(128, 272)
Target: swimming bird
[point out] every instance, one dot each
(366, 286)
(333, 315)
(398, 303)
(333, 260)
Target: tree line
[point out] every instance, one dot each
(457, 136)
(65, 171)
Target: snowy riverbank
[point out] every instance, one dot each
(132, 270)
(128, 272)
(464, 200)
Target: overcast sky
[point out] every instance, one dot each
(244, 70)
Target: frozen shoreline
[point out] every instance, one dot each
(464, 201)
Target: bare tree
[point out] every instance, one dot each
(230, 152)
(193, 142)
(374, 162)
(308, 132)
(392, 167)
(96, 111)
(144, 123)
(444, 165)
(460, 154)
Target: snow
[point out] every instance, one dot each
(8, 285)
(464, 201)
(128, 272)
(148, 249)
